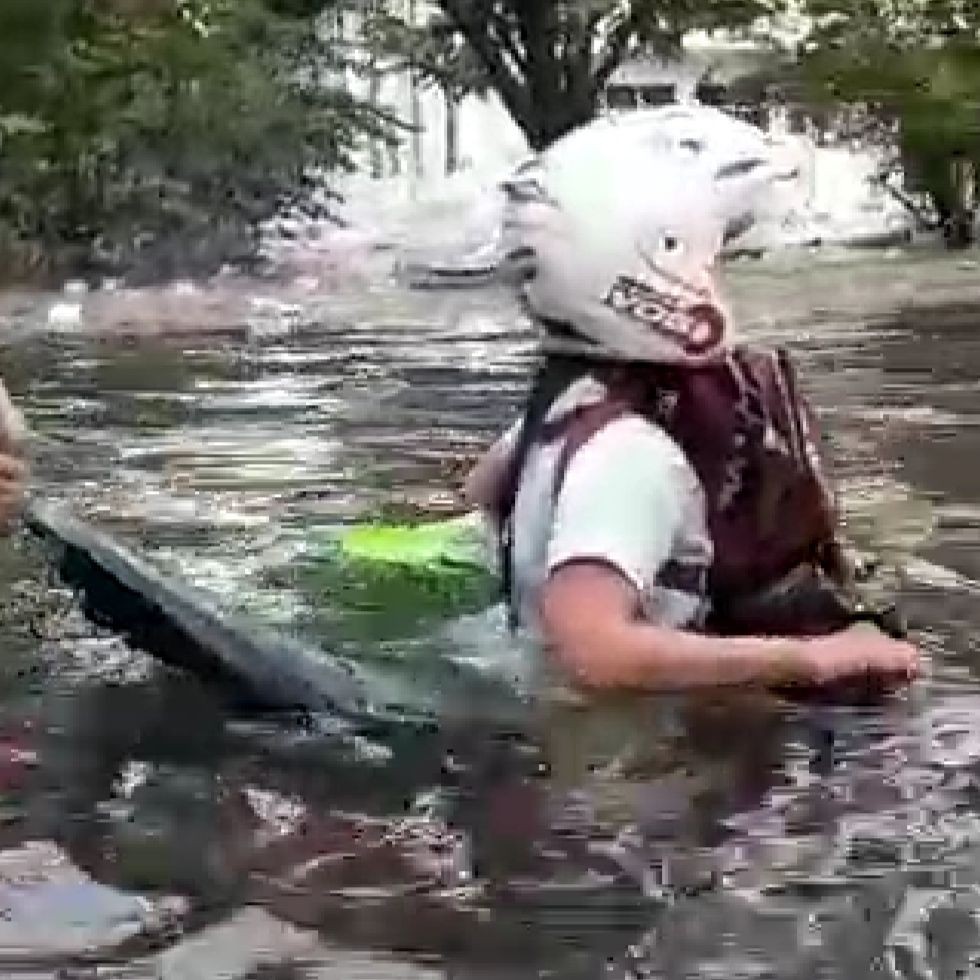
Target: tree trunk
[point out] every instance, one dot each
(418, 164)
(960, 220)
(542, 128)
(552, 90)
(561, 93)
(418, 161)
(377, 147)
(452, 131)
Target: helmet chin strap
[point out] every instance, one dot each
(569, 344)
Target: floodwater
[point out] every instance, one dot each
(146, 830)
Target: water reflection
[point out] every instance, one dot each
(728, 837)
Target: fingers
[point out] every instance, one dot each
(13, 475)
(11, 499)
(13, 471)
(12, 425)
(11, 494)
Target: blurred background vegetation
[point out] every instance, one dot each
(913, 67)
(152, 137)
(156, 134)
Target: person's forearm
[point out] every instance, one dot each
(645, 657)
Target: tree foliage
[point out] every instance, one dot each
(550, 60)
(434, 52)
(156, 133)
(915, 67)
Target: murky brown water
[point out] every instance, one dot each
(689, 837)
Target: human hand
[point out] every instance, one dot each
(13, 476)
(13, 469)
(860, 654)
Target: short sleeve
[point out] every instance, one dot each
(622, 502)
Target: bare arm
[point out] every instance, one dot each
(590, 623)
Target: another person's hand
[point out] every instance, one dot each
(13, 476)
(13, 469)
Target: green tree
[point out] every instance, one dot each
(436, 55)
(549, 60)
(157, 134)
(915, 69)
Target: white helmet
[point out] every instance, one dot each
(616, 229)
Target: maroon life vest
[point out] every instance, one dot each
(751, 437)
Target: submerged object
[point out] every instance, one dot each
(452, 546)
(398, 580)
(180, 626)
(260, 668)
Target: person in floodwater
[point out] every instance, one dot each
(662, 514)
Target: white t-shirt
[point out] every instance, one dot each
(630, 499)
